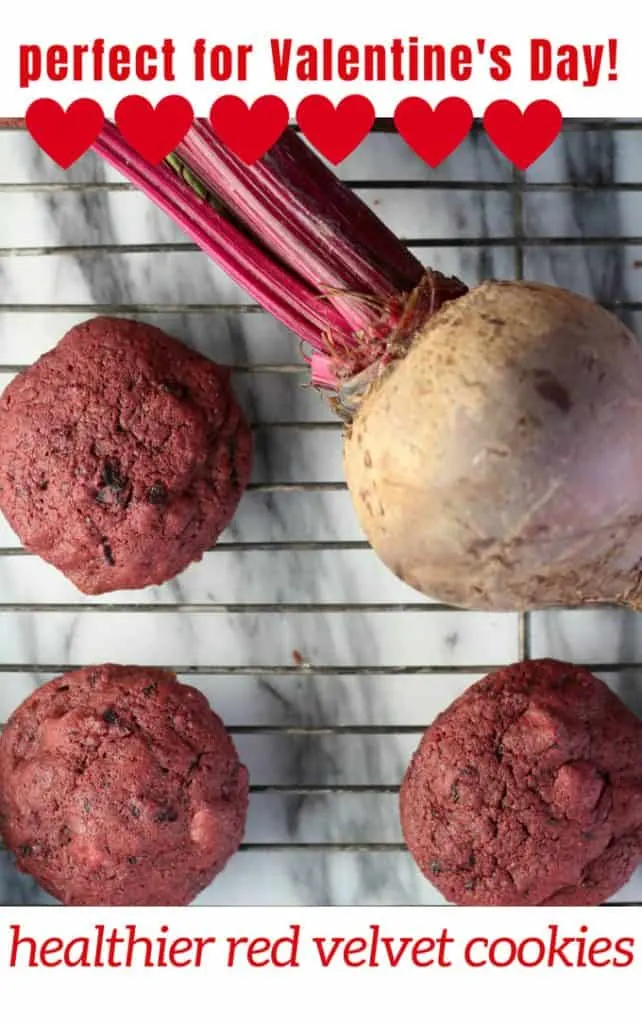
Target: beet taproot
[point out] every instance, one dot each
(497, 465)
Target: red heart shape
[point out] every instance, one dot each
(154, 132)
(249, 131)
(433, 133)
(64, 135)
(523, 137)
(335, 131)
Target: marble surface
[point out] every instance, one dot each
(371, 677)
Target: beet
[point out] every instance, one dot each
(491, 443)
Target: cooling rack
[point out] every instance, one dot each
(326, 739)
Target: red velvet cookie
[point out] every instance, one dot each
(527, 790)
(119, 786)
(123, 455)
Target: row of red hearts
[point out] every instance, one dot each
(335, 131)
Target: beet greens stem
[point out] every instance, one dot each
(275, 289)
(299, 241)
(310, 220)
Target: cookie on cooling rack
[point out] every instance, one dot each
(527, 790)
(119, 786)
(123, 455)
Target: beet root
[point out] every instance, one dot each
(497, 466)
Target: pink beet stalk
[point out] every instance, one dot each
(301, 243)
(273, 288)
(310, 220)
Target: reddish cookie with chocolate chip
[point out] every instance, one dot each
(120, 787)
(123, 455)
(527, 790)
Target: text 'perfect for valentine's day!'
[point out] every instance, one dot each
(408, 59)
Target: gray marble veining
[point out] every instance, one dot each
(67, 252)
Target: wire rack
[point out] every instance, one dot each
(323, 724)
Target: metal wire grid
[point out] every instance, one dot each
(518, 242)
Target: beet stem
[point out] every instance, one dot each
(312, 222)
(289, 300)
(300, 242)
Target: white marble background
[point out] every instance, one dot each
(326, 743)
